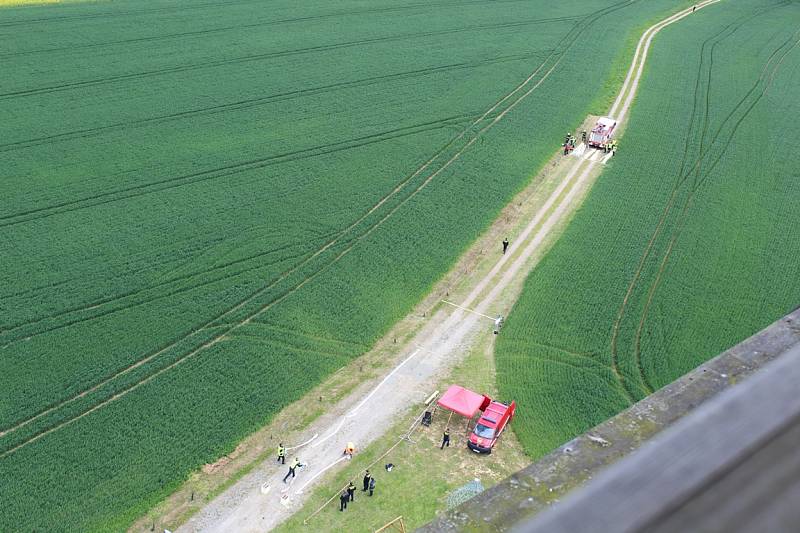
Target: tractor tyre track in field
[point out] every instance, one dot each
(571, 38)
(212, 322)
(647, 387)
(566, 42)
(563, 47)
(67, 18)
(702, 175)
(101, 313)
(621, 105)
(260, 101)
(136, 191)
(248, 26)
(182, 8)
(21, 93)
(680, 180)
(626, 96)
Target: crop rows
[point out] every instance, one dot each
(194, 236)
(686, 245)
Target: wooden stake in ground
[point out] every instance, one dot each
(396, 523)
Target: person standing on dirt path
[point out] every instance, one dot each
(693, 8)
(292, 466)
(351, 491)
(282, 453)
(505, 245)
(371, 485)
(343, 497)
(367, 477)
(445, 438)
(583, 136)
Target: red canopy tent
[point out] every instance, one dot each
(463, 401)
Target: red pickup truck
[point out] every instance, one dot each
(490, 426)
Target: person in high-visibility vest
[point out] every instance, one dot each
(367, 477)
(351, 491)
(282, 453)
(350, 449)
(291, 469)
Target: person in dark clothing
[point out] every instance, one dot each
(292, 466)
(505, 245)
(282, 454)
(351, 491)
(367, 477)
(445, 438)
(343, 497)
(371, 485)
(583, 136)
(693, 8)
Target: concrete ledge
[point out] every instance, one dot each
(529, 491)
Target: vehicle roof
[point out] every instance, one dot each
(495, 408)
(606, 121)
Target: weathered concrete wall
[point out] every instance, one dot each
(529, 491)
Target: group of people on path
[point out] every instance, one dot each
(610, 146)
(349, 492)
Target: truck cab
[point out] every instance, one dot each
(490, 426)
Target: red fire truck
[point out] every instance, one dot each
(602, 132)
